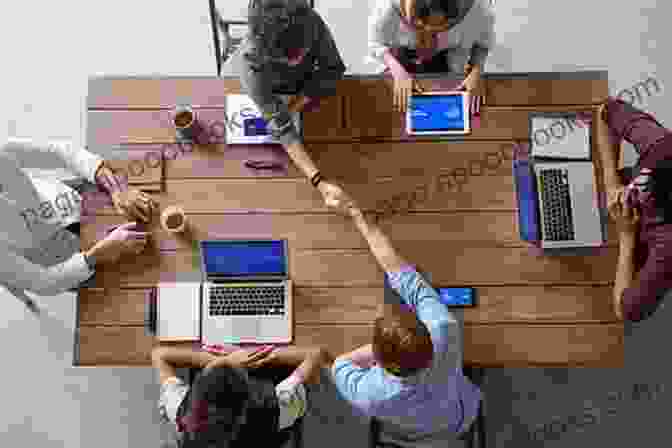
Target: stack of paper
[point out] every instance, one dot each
(179, 311)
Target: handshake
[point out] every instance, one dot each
(337, 199)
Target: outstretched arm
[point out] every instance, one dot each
(379, 243)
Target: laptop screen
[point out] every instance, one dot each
(244, 258)
(437, 113)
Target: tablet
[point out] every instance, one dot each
(438, 113)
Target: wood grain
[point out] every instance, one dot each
(432, 192)
(449, 264)
(329, 231)
(165, 92)
(506, 345)
(525, 92)
(358, 305)
(447, 205)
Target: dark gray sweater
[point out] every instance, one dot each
(314, 77)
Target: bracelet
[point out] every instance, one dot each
(316, 179)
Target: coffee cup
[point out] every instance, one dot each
(173, 219)
(187, 127)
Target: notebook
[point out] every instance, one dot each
(245, 123)
(178, 311)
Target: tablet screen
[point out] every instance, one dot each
(437, 113)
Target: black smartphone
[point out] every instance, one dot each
(457, 297)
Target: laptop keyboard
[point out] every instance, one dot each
(247, 300)
(556, 205)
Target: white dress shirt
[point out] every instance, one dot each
(37, 254)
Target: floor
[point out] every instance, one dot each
(50, 404)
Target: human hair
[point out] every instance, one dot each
(277, 26)
(661, 188)
(402, 341)
(214, 409)
(446, 8)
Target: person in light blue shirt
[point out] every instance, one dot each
(410, 376)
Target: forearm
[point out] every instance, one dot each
(297, 152)
(184, 357)
(379, 243)
(625, 269)
(308, 372)
(609, 155)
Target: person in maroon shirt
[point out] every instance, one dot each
(639, 199)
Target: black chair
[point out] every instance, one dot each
(225, 44)
(474, 436)
(291, 437)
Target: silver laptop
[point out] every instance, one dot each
(246, 295)
(568, 210)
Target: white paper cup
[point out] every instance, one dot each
(173, 219)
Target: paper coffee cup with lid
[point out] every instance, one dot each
(173, 219)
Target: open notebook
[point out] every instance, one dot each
(178, 308)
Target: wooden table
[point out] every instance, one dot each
(532, 311)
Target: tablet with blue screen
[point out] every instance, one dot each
(438, 113)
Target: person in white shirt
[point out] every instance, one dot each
(39, 244)
(406, 37)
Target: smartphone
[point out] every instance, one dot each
(457, 297)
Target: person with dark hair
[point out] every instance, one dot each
(289, 49)
(230, 405)
(430, 36)
(410, 374)
(639, 199)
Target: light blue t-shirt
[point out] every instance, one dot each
(434, 400)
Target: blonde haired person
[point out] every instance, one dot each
(407, 37)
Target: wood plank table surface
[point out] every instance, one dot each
(448, 206)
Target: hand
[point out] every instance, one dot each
(337, 199)
(134, 204)
(248, 357)
(626, 217)
(615, 198)
(122, 240)
(403, 88)
(297, 103)
(472, 82)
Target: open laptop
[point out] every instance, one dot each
(438, 113)
(246, 295)
(568, 209)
